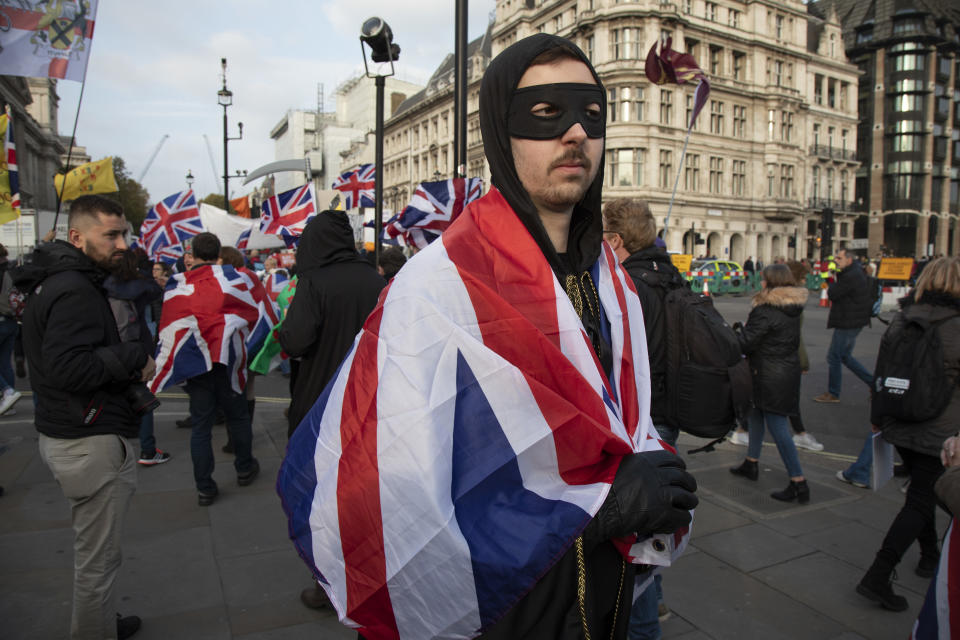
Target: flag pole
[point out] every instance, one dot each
(676, 182)
(73, 137)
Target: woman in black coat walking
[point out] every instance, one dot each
(771, 339)
(936, 298)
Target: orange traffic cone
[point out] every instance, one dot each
(824, 300)
(706, 289)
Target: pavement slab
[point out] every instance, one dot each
(752, 547)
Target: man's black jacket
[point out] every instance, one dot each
(66, 321)
(851, 303)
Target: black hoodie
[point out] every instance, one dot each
(336, 291)
(66, 322)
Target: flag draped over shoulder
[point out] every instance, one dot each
(9, 173)
(677, 68)
(939, 617)
(168, 223)
(49, 40)
(208, 316)
(358, 187)
(433, 207)
(468, 437)
(87, 179)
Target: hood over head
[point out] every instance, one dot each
(497, 89)
(327, 239)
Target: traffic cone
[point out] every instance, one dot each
(824, 300)
(706, 289)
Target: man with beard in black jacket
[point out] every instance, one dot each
(80, 372)
(336, 290)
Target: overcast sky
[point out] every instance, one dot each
(154, 69)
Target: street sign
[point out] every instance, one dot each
(681, 261)
(895, 269)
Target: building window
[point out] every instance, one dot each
(691, 173)
(716, 174)
(612, 111)
(831, 93)
(778, 73)
(830, 180)
(786, 126)
(818, 89)
(590, 44)
(771, 124)
(843, 186)
(693, 47)
(771, 180)
(711, 11)
(815, 179)
(778, 27)
(666, 107)
(716, 117)
(739, 177)
(786, 181)
(625, 44)
(833, 45)
(666, 168)
(689, 112)
(739, 121)
(830, 132)
(816, 135)
(738, 62)
(908, 62)
(844, 135)
(625, 167)
(733, 18)
(716, 54)
(633, 99)
(688, 6)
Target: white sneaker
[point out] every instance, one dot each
(806, 440)
(740, 438)
(8, 400)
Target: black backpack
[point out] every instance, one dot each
(707, 380)
(910, 382)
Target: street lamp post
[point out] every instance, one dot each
(189, 179)
(225, 99)
(378, 36)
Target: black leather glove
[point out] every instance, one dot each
(651, 493)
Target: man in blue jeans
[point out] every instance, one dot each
(850, 311)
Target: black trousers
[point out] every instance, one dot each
(916, 520)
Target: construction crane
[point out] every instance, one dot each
(153, 157)
(213, 163)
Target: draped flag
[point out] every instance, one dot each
(677, 68)
(9, 174)
(87, 179)
(169, 222)
(357, 187)
(940, 614)
(433, 207)
(47, 39)
(468, 437)
(287, 213)
(268, 315)
(208, 315)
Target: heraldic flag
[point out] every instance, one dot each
(87, 179)
(9, 176)
(44, 39)
(468, 437)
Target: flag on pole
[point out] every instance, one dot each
(50, 40)
(287, 213)
(9, 175)
(169, 222)
(242, 206)
(358, 187)
(87, 179)
(244, 239)
(433, 207)
(678, 68)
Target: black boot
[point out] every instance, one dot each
(927, 567)
(798, 491)
(875, 586)
(750, 469)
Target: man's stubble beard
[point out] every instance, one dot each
(566, 192)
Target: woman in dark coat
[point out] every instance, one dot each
(935, 298)
(771, 339)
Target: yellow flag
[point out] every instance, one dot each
(87, 179)
(9, 183)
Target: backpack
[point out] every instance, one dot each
(910, 382)
(707, 380)
(128, 321)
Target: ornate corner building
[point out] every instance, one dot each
(908, 140)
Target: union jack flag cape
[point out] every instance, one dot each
(208, 316)
(287, 213)
(358, 187)
(171, 221)
(940, 615)
(433, 207)
(468, 437)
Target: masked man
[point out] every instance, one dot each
(484, 463)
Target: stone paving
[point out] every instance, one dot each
(756, 568)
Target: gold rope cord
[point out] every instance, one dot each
(582, 591)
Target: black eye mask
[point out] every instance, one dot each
(570, 101)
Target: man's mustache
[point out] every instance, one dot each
(573, 156)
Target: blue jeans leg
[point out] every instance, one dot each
(644, 618)
(8, 334)
(148, 444)
(862, 469)
(779, 426)
(841, 353)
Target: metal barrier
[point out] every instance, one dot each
(734, 282)
(697, 278)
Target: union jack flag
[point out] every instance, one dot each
(286, 214)
(357, 187)
(170, 254)
(244, 239)
(940, 614)
(208, 316)
(433, 207)
(468, 437)
(268, 315)
(171, 221)
(276, 282)
(10, 149)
